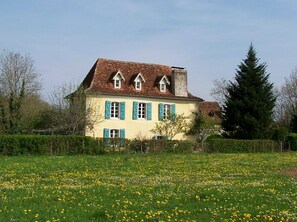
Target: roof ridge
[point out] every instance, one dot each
(124, 61)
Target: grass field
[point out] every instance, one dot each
(164, 187)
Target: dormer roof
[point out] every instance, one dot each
(118, 75)
(165, 80)
(139, 77)
(100, 79)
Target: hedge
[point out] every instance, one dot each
(48, 144)
(73, 144)
(240, 146)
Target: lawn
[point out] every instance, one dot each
(141, 187)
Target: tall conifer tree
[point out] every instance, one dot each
(248, 111)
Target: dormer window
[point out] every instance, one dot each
(138, 81)
(117, 80)
(163, 84)
(138, 85)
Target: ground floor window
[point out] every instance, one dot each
(114, 133)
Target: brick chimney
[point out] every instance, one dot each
(179, 82)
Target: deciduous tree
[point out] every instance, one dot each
(18, 79)
(171, 126)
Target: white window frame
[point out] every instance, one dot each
(162, 87)
(163, 84)
(117, 80)
(117, 83)
(142, 111)
(114, 133)
(138, 85)
(114, 110)
(166, 111)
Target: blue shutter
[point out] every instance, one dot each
(106, 137)
(122, 136)
(122, 133)
(161, 111)
(107, 109)
(149, 111)
(105, 133)
(122, 110)
(135, 110)
(173, 111)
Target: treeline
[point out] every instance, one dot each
(22, 109)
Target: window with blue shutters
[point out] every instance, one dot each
(142, 111)
(166, 110)
(114, 110)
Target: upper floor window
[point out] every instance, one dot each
(117, 80)
(138, 85)
(139, 79)
(163, 83)
(166, 111)
(162, 87)
(142, 110)
(117, 83)
(114, 110)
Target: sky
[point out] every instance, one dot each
(207, 37)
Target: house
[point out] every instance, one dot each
(130, 97)
(210, 110)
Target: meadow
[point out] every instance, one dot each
(149, 187)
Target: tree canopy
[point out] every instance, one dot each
(248, 111)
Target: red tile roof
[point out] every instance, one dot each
(211, 109)
(99, 79)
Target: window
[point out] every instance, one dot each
(163, 83)
(117, 84)
(141, 111)
(138, 81)
(162, 87)
(114, 110)
(114, 133)
(117, 80)
(166, 111)
(138, 85)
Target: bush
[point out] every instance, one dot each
(280, 133)
(161, 146)
(292, 140)
(241, 146)
(48, 144)
(73, 144)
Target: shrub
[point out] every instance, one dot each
(48, 144)
(292, 140)
(241, 146)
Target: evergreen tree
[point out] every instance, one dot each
(248, 111)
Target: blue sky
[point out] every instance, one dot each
(208, 37)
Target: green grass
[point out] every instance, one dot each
(165, 187)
